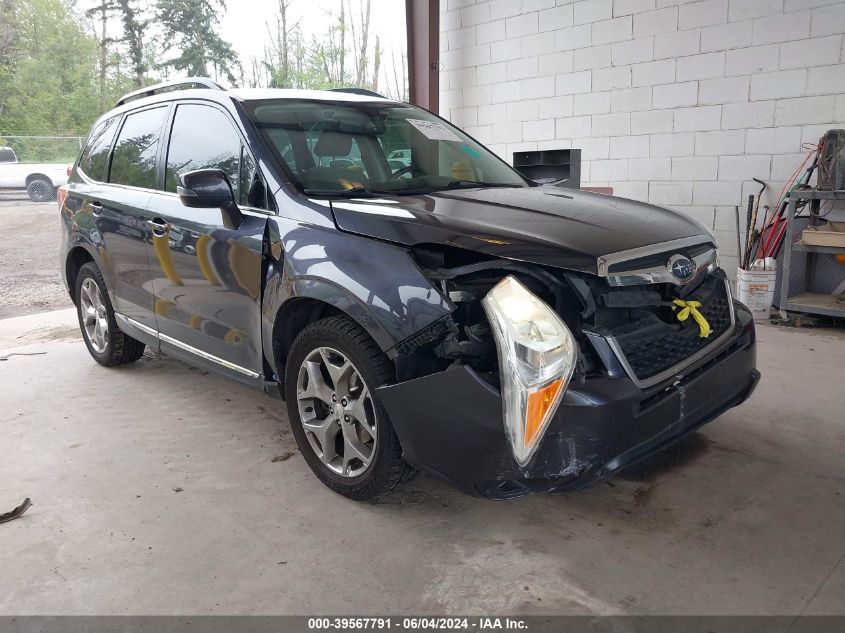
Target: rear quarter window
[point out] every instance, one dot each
(96, 152)
(134, 158)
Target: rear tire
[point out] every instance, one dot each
(106, 343)
(40, 190)
(333, 400)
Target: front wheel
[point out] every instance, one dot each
(336, 416)
(41, 190)
(106, 343)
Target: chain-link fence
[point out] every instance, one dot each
(43, 149)
(55, 152)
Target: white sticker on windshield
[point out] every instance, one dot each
(434, 130)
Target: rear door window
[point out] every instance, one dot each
(134, 157)
(95, 155)
(203, 137)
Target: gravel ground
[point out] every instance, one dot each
(31, 280)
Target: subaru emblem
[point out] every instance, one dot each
(681, 268)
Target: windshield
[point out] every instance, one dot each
(351, 148)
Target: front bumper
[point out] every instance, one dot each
(450, 423)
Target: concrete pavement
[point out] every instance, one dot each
(159, 489)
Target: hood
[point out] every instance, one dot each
(547, 225)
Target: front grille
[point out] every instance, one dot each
(652, 345)
(658, 260)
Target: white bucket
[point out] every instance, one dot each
(756, 289)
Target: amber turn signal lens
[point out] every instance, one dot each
(539, 403)
(840, 258)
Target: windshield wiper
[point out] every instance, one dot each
(364, 192)
(355, 192)
(468, 184)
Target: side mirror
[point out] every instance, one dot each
(210, 189)
(205, 189)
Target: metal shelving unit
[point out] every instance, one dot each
(563, 166)
(808, 302)
(813, 248)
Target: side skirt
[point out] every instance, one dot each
(170, 346)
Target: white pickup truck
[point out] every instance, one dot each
(39, 179)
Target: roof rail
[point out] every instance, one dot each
(358, 91)
(169, 86)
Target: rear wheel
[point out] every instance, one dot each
(335, 413)
(40, 190)
(106, 343)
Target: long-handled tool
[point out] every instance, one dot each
(768, 230)
(773, 243)
(755, 236)
(739, 253)
(753, 222)
(748, 232)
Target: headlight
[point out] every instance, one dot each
(537, 355)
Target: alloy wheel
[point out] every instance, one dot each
(95, 321)
(337, 412)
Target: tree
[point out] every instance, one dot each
(133, 37)
(100, 15)
(7, 50)
(398, 89)
(325, 61)
(279, 49)
(189, 28)
(328, 54)
(359, 41)
(376, 64)
(48, 76)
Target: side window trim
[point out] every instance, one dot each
(164, 146)
(107, 167)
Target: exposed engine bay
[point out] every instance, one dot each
(641, 320)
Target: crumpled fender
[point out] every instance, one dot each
(376, 283)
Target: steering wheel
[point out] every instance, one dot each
(407, 169)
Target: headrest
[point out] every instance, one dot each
(332, 143)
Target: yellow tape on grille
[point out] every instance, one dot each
(691, 308)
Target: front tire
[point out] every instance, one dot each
(40, 190)
(340, 425)
(105, 342)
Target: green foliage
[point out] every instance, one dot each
(47, 81)
(56, 77)
(133, 38)
(43, 149)
(189, 27)
(60, 70)
(340, 56)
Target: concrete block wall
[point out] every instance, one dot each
(672, 102)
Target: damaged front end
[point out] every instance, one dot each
(542, 379)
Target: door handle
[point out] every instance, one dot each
(158, 226)
(96, 208)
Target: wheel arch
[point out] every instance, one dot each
(295, 315)
(76, 258)
(38, 176)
